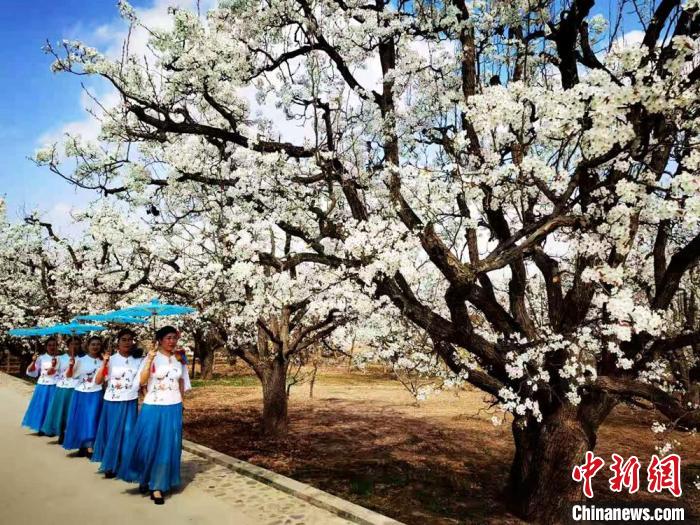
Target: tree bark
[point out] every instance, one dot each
(692, 397)
(206, 361)
(24, 360)
(313, 380)
(540, 486)
(274, 380)
(204, 345)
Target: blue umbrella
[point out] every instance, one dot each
(153, 309)
(26, 332)
(72, 329)
(36, 331)
(110, 318)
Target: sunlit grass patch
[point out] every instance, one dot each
(237, 381)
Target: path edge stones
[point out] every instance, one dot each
(312, 495)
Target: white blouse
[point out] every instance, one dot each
(84, 373)
(61, 380)
(42, 365)
(163, 386)
(122, 379)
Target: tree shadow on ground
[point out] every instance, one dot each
(418, 470)
(379, 459)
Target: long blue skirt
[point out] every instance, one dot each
(57, 416)
(83, 415)
(117, 423)
(154, 449)
(38, 407)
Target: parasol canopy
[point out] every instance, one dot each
(153, 309)
(72, 329)
(111, 318)
(26, 332)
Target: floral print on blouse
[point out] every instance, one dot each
(163, 386)
(84, 373)
(122, 378)
(42, 365)
(61, 380)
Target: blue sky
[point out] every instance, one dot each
(37, 104)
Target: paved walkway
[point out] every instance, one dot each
(42, 484)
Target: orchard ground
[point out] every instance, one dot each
(363, 438)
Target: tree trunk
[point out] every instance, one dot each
(204, 346)
(24, 360)
(206, 360)
(692, 397)
(194, 363)
(274, 386)
(540, 485)
(313, 380)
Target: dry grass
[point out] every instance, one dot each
(363, 439)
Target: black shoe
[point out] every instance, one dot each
(40, 434)
(143, 489)
(88, 454)
(109, 474)
(158, 500)
(60, 439)
(82, 452)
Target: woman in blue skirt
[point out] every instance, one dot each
(155, 447)
(84, 410)
(57, 416)
(120, 406)
(44, 367)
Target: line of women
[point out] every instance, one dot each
(91, 403)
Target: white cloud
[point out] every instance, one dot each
(60, 215)
(89, 127)
(629, 39)
(110, 38)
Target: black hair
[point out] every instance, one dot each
(52, 338)
(166, 330)
(126, 331)
(72, 338)
(136, 352)
(94, 338)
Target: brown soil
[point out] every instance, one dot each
(442, 462)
